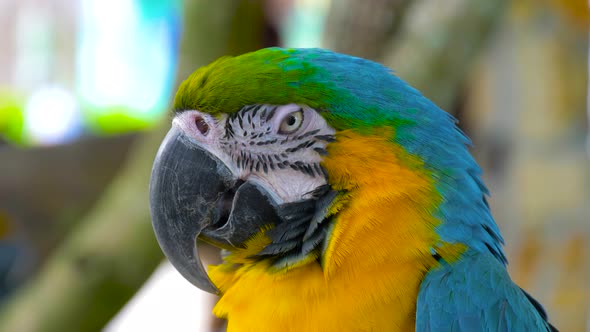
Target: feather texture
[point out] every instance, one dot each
(475, 294)
(411, 241)
(361, 95)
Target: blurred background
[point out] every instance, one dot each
(85, 92)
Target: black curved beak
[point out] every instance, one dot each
(192, 194)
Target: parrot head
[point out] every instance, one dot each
(290, 157)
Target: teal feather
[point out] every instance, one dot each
(475, 294)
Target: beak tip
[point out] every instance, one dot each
(204, 284)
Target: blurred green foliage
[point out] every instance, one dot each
(115, 120)
(11, 116)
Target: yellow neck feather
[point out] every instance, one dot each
(377, 254)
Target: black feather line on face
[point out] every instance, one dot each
(272, 112)
(254, 110)
(245, 121)
(240, 121)
(302, 230)
(327, 138)
(304, 226)
(309, 133)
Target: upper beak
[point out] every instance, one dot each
(192, 194)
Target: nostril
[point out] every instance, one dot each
(202, 126)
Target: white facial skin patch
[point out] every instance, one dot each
(277, 147)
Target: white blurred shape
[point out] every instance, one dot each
(123, 60)
(167, 302)
(34, 41)
(304, 25)
(52, 116)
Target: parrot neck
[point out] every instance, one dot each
(374, 259)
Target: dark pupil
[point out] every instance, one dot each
(291, 120)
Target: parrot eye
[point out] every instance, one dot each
(291, 122)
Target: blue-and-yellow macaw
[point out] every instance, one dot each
(344, 200)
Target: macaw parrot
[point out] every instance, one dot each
(342, 200)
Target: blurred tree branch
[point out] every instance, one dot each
(362, 28)
(438, 42)
(113, 251)
(429, 43)
(76, 173)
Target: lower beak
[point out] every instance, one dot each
(192, 194)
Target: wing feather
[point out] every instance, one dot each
(476, 294)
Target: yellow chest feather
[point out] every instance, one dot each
(374, 261)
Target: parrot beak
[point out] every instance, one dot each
(193, 194)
